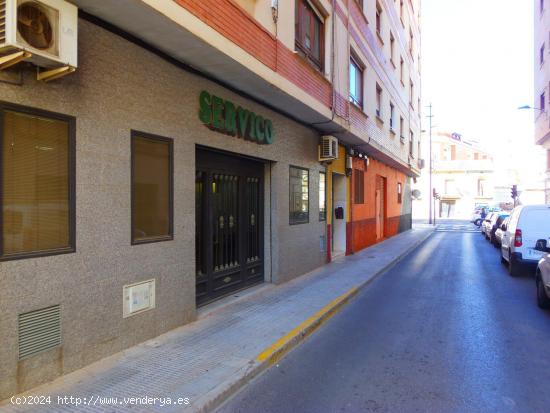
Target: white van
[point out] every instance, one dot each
(526, 225)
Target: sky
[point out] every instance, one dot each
(477, 69)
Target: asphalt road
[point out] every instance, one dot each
(445, 330)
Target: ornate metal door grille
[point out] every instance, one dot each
(229, 224)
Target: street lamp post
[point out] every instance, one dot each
(432, 212)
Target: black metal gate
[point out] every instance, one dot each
(229, 224)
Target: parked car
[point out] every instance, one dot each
(542, 276)
(496, 222)
(527, 224)
(500, 231)
(486, 222)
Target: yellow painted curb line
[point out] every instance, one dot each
(278, 348)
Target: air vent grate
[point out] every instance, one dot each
(39, 331)
(2, 21)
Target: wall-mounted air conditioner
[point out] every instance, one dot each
(328, 149)
(43, 32)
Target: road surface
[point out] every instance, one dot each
(445, 330)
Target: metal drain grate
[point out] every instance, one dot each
(39, 330)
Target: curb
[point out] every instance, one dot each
(270, 355)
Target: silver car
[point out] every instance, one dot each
(542, 276)
(500, 232)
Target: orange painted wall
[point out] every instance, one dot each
(363, 225)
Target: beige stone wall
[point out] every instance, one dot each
(119, 87)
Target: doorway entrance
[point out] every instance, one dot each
(380, 207)
(339, 202)
(228, 224)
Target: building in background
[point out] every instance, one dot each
(542, 82)
(178, 160)
(463, 176)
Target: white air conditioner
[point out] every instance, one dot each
(328, 149)
(43, 32)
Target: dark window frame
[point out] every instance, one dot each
(299, 31)
(290, 219)
(353, 61)
(323, 215)
(140, 134)
(71, 122)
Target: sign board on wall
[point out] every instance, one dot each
(222, 115)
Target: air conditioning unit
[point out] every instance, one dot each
(328, 149)
(43, 32)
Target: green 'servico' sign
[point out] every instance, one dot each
(223, 116)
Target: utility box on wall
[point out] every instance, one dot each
(138, 297)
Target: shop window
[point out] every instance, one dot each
(322, 196)
(359, 196)
(152, 188)
(38, 181)
(309, 33)
(299, 195)
(399, 193)
(355, 82)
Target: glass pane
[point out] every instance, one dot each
(316, 49)
(35, 183)
(299, 195)
(151, 188)
(322, 197)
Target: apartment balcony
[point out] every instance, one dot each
(220, 40)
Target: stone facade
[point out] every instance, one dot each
(121, 87)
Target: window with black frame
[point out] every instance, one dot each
(37, 183)
(309, 33)
(299, 195)
(355, 82)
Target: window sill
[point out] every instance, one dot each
(152, 240)
(380, 39)
(402, 83)
(356, 105)
(299, 223)
(402, 139)
(402, 22)
(302, 55)
(393, 64)
(379, 119)
(392, 131)
(37, 254)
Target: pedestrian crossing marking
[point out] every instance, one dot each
(457, 228)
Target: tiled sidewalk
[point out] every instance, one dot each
(211, 358)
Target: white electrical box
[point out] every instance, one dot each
(138, 297)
